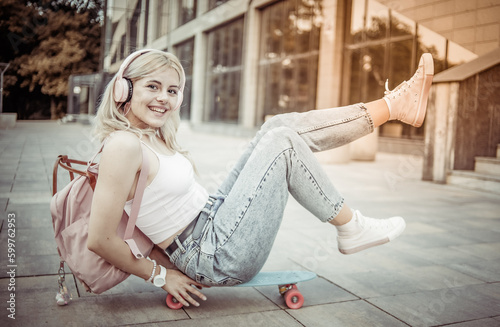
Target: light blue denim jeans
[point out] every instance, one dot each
(248, 209)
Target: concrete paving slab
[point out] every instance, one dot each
(492, 221)
(488, 251)
(30, 186)
(31, 160)
(3, 204)
(6, 187)
(489, 322)
(326, 260)
(392, 282)
(459, 224)
(268, 318)
(480, 235)
(486, 270)
(392, 257)
(32, 168)
(445, 306)
(223, 301)
(33, 256)
(445, 256)
(436, 240)
(131, 285)
(8, 165)
(27, 197)
(37, 265)
(352, 313)
(416, 228)
(36, 307)
(31, 177)
(32, 215)
(31, 242)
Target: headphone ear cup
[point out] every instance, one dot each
(180, 97)
(121, 90)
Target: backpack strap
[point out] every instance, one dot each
(136, 205)
(65, 162)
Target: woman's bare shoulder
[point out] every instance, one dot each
(122, 145)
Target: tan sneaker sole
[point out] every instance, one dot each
(428, 64)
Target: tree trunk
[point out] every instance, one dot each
(53, 108)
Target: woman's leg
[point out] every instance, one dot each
(246, 223)
(379, 112)
(258, 187)
(321, 130)
(339, 126)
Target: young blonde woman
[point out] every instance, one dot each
(225, 238)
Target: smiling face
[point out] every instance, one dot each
(154, 98)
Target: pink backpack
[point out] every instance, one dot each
(70, 209)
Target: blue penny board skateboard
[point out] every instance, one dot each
(285, 280)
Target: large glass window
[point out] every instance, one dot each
(117, 25)
(125, 28)
(122, 50)
(224, 72)
(383, 44)
(185, 53)
(134, 27)
(146, 23)
(288, 60)
(187, 11)
(161, 18)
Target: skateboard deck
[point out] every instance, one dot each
(285, 280)
(269, 278)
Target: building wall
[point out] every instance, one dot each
(251, 13)
(473, 24)
(470, 23)
(478, 118)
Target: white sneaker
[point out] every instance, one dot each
(369, 232)
(408, 101)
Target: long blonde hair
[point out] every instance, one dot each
(110, 116)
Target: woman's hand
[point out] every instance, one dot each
(180, 286)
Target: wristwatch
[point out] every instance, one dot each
(159, 280)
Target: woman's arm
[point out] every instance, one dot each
(119, 166)
(161, 258)
(120, 162)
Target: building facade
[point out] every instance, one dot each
(248, 59)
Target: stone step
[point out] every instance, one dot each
(474, 180)
(487, 166)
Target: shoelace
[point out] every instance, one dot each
(404, 86)
(374, 223)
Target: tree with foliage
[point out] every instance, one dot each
(17, 37)
(49, 41)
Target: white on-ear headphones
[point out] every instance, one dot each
(123, 88)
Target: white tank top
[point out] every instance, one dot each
(172, 200)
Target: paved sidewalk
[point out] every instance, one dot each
(444, 270)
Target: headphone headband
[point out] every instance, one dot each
(129, 59)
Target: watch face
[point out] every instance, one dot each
(159, 281)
